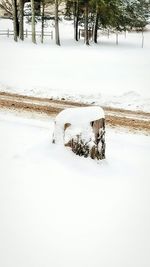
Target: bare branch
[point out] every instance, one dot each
(6, 6)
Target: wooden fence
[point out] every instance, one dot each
(26, 33)
(107, 32)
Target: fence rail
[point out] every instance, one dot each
(26, 33)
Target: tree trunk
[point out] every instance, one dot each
(57, 39)
(75, 12)
(95, 27)
(76, 19)
(86, 23)
(33, 21)
(14, 2)
(18, 26)
(21, 22)
(42, 29)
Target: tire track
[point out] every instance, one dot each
(133, 120)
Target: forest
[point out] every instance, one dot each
(90, 15)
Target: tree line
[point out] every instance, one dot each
(91, 15)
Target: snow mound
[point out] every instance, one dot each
(80, 116)
(83, 130)
(78, 120)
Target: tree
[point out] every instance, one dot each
(57, 38)
(14, 7)
(137, 13)
(21, 19)
(91, 14)
(95, 28)
(6, 5)
(42, 27)
(76, 19)
(81, 17)
(33, 21)
(86, 26)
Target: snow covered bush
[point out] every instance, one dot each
(83, 130)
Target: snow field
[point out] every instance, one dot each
(106, 74)
(57, 209)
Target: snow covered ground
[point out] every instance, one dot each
(57, 209)
(105, 73)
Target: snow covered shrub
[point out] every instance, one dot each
(83, 130)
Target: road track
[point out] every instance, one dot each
(133, 120)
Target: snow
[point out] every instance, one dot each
(80, 115)
(105, 74)
(58, 209)
(84, 132)
(80, 119)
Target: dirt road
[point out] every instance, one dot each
(133, 120)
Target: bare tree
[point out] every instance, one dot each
(11, 10)
(6, 5)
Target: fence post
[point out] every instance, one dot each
(26, 33)
(51, 35)
(8, 33)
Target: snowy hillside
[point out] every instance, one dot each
(57, 209)
(105, 73)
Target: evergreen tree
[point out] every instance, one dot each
(137, 13)
(89, 14)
